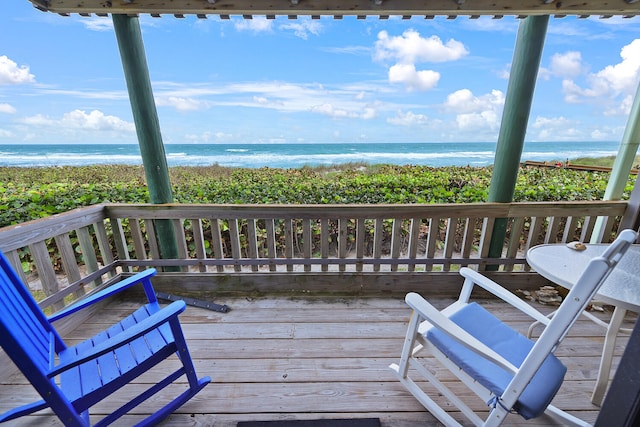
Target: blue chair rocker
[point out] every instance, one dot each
(72, 379)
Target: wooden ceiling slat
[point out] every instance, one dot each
(345, 7)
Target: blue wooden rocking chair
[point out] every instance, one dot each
(504, 368)
(72, 379)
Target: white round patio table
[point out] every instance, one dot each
(564, 266)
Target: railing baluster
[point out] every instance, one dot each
(450, 241)
(198, 241)
(377, 241)
(181, 239)
(234, 238)
(587, 228)
(306, 242)
(150, 231)
(69, 262)
(103, 245)
(432, 237)
(46, 274)
(485, 240)
(568, 234)
(606, 229)
(138, 240)
(468, 238)
(360, 242)
(396, 241)
(216, 238)
(552, 229)
(342, 241)
(88, 252)
(14, 259)
(288, 241)
(324, 241)
(414, 240)
(120, 241)
(252, 242)
(517, 226)
(271, 243)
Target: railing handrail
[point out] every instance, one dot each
(16, 236)
(368, 211)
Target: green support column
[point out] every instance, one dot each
(622, 165)
(517, 106)
(145, 116)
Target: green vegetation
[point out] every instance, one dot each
(600, 161)
(29, 193)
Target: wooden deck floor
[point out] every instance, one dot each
(306, 359)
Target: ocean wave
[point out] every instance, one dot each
(293, 155)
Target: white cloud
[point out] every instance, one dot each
(413, 79)
(181, 104)
(623, 77)
(5, 134)
(39, 120)
(12, 74)
(568, 64)
(621, 109)
(358, 100)
(209, 137)
(482, 120)
(7, 108)
(258, 24)
(330, 110)
(368, 113)
(95, 120)
(80, 120)
(475, 112)
(303, 26)
(407, 119)
(556, 129)
(410, 48)
(97, 23)
(464, 101)
(348, 50)
(611, 81)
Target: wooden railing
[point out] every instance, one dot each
(297, 248)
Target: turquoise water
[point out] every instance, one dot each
(297, 155)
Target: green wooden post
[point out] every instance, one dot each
(145, 116)
(622, 165)
(517, 106)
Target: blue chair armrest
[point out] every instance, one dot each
(136, 331)
(143, 276)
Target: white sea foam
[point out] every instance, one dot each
(294, 155)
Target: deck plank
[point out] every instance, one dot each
(317, 358)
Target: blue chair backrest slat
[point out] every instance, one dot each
(35, 342)
(29, 328)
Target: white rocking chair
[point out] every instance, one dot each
(503, 367)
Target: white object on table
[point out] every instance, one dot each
(563, 265)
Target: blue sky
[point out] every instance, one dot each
(310, 81)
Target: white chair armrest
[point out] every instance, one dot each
(431, 314)
(503, 294)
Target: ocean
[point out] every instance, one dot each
(297, 155)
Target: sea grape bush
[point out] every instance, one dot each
(31, 193)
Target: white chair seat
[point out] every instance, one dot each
(511, 345)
